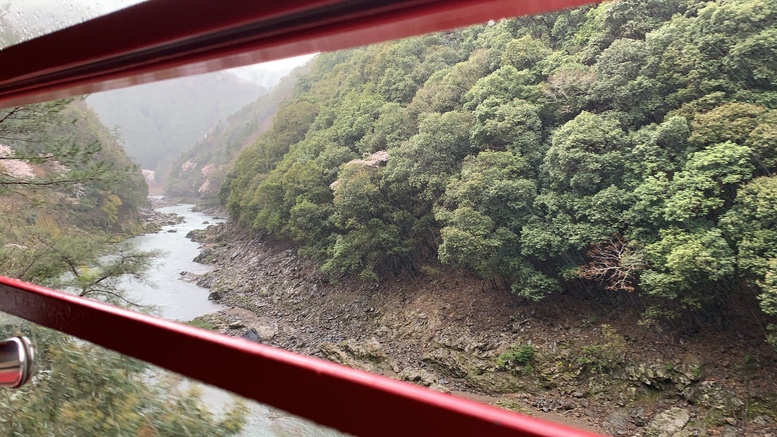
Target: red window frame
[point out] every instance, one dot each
(162, 39)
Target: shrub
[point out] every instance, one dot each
(517, 358)
(605, 357)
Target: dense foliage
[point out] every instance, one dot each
(58, 162)
(631, 144)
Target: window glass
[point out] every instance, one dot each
(22, 20)
(83, 389)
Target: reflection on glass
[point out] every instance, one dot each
(82, 389)
(21, 20)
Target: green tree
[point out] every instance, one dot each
(687, 263)
(708, 180)
(763, 142)
(585, 155)
(529, 150)
(513, 126)
(427, 159)
(483, 212)
(59, 167)
(524, 53)
(752, 224)
(370, 241)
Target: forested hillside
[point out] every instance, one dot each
(68, 196)
(58, 162)
(160, 120)
(629, 146)
(199, 172)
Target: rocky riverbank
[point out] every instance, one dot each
(573, 359)
(153, 219)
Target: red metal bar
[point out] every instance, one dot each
(346, 399)
(161, 39)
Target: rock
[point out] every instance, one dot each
(237, 324)
(618, 420)
(660, 375)
(712, 394)
(440, 388)
(426, 342)
(207, 281)
(369, 350)
(495, 382)
(451, 363)
(189, 277)
(251, 335)
(172, 231)
(365, 354)
(154, 220)
(731, 421)
(333, 353)
(418, 376)
(668, 423)
(205, 256)
(266, 332)
(638, 416)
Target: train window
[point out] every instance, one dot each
(572, 211)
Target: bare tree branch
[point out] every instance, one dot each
(614, 264)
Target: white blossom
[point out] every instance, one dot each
(188, 165)
(14, 168)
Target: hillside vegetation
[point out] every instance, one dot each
(58, 162)
(68, 196)
(629, 146)
(198, 172)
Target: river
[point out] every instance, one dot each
(172, 298)
(175, 299)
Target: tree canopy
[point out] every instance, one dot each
(630, 145)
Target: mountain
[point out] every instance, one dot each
(158, 121)
(198, 173)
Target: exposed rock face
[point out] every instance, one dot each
(668, 423)
(453, 334)
(712, 395)
(661, 376)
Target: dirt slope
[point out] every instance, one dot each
(581, 358)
